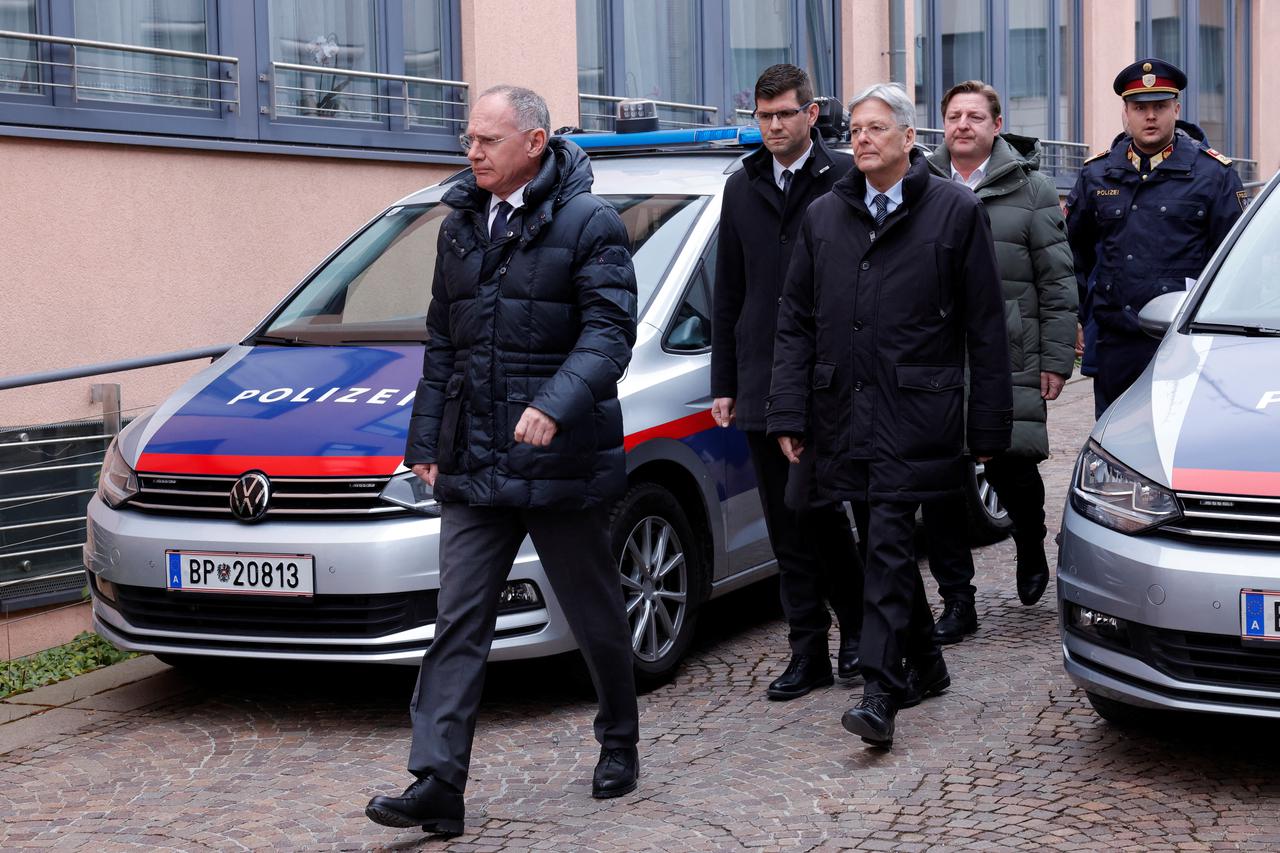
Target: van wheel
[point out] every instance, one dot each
(664, 579)
(989, 522)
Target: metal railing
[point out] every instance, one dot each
(673, 109)
(47, 474)
(313, 97)
(92, 82)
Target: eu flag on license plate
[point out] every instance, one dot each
(1255, 620)
(175, 571)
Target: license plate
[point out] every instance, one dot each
(258, 574)
(1259, 614)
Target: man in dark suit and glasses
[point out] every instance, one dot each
(763, 204)
(517, 427)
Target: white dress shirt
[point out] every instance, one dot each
(894, 193)
(795, 167)
(516, 200)
(975, 177)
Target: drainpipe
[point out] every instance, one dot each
(897, 41)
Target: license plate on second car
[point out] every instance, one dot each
(257, 574)
(1259, 614)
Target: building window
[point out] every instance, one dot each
(1029, 50)
(368, 74)
(701, 56)
(1209, 40)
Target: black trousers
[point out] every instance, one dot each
(1016, 480)
(817, 556)
(477, 548)
(897, 625)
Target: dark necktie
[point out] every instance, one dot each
(498, 229)
(786, 182)
(881, 203)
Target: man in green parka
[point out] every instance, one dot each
(1040, 318)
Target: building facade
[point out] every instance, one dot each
(173, 167)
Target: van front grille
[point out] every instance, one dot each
(291, 497)
(1227, 519)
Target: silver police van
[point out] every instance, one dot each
(263, 510)
(1169, 565)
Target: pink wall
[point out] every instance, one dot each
(1266, 82)
(115, 251)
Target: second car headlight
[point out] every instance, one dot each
(117, 482)
(1114, 495)
(411, 491)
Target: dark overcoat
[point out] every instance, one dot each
(757, 233)
(543, 317)
(872, 335)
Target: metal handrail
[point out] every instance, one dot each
(675, 105)
(404, 79)
(109, 45)
(28, 379)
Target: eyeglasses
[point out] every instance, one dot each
(486, 142)
(875, 131)
(784, 115)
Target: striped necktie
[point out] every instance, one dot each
(881, 203)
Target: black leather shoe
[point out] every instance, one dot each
(804, 673)
(616, 773)
(958, 619)
(925, 681)
(428, 802)
(1033, 570)
(848, 663)
(872, 720)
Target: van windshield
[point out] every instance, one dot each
(1245, 291)
(376, 290)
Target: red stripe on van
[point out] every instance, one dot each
(677, 429)
(1260, 483)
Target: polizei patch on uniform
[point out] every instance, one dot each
(1113, 191)
(1242, 196)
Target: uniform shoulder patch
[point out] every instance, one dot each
(1217, 155)
(1097, 156)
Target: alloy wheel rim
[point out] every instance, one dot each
(986, 495)
(655, 586)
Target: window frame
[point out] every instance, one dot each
(997, 60)
(237, 28)
(1237, 94)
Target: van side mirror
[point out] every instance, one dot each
(1157, 316)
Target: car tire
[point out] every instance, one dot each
(989, 522)
(665, 579)
(1120, 714)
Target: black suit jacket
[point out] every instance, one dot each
(757, 233)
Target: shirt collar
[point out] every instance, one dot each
(975, 177)
(894, 193)
(515, 199)
(795, 167)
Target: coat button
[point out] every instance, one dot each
(779, 300)
(857, 386)
(857, 325)
(1144, 177)
(783, 238)
(1135, 207)
(1163, 208)
(1199, 213)
(503, 270)
(1117, 211)
(865, 265)
(1128, 307)
(1128, 257)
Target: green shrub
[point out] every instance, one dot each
(85, 653)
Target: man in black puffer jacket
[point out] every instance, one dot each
(517, 427)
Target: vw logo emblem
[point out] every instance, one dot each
(250, 496)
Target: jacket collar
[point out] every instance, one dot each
(1006, 169)
(1184, 153)
(852, 188)
(563, 173)
(759, 168)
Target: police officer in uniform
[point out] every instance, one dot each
(1144, 217)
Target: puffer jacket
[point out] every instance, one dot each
(1038, 275)
(543, 317)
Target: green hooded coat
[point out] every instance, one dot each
(1039, 279)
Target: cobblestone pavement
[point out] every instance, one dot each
(1011, 757)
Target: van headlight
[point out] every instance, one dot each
(1114, 495)
(116, 482)
(412, 492)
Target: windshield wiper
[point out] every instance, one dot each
(284, 342)
(1249, 331)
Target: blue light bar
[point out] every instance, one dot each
(703, 136)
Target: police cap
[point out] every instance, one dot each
(1150, 80)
